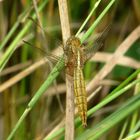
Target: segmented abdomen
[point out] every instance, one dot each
(80, 94)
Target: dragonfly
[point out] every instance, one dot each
(74, 62)
(76, 55)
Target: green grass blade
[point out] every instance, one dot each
(13, 45)
(123, 129)
(133, 136)
(88, 17)
(131, 77)
(112, 97)
(51, 77)
(137, 126)
(112, 120)
(97, 21)
(41, 89)
(15, 26)
(98, 106)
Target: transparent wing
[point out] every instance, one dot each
(53, 58)
(92, 47)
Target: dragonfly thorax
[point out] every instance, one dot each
(73, 41)
(74, 55)
(73, 45)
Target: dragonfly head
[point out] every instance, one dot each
(72, 45)
(73, 41)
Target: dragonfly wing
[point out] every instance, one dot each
(93, 47)
(49, 56)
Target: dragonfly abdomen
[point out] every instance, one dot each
(80, 94)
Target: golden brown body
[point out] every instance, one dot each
(74, 64)
(80, 93)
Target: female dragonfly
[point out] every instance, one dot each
(75, 55)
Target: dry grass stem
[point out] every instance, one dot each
(41, 69)
(20, 75)
(15, 68)
(65, 26)
(94, 93)
(64, 19)
(61, 124)
(40, 24)
(61, 88)
(57, 127)
(109, 82)
(121, 50)
(124, 60)
(99, 57)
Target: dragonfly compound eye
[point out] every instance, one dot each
(73, 41)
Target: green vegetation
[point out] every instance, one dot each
(32, 102)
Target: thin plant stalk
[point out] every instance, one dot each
(133, 136)
(52, 76)
(111, 97)
(135, 129)
(136, 114)
(97, 21)
(65, 26)
(116, 93)
(88, 17)
(15, 26)
(123, 129)
(13, 45)
(112, 120)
